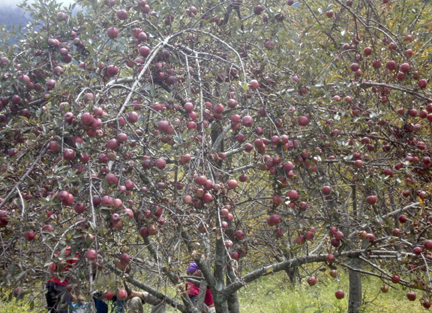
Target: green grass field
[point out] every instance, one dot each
(274, 294)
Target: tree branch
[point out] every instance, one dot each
(15, 188)
(149, 289)
(411, 92)
(414, 205)
(203, 266)
(282, 266)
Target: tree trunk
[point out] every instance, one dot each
(233, 302)
(355, 287)
(220, 303)
(201, 295)
(293, 274)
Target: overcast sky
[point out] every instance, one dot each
(15, 2)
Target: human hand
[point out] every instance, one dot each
(197, 273)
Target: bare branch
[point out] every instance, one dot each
(15, 188)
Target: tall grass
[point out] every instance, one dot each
(275, 294)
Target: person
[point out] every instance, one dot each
(138, 299)
(105, 278)
(193, 290)
(59, 300)
(102, 307)
(134, 302)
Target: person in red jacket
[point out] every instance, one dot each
(193, 290)
(59, 300)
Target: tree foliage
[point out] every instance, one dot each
(220, 132)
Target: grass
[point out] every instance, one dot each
(275, 294)
(18, 307)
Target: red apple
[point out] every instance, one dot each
(79, 208)
(247, 121)
(228, 243)
(91, 255)
(428, 244)
(376, 64)
(293, 195)
(108, 295)
(68, 154)
(354, 67)
(192, 11)
(409, 52)
(269, 45)
(160, 163)
(326, 190)
(422, 83)
(371, 199)
(132, 117)
(232, 183)
(122, 294)
(411, 296)
(188, 106)
(312, 281)
(370, 237)
(129, 184)
(111, 179)
(125, 258)
(258, 10)
(403, 218)
(240, 235)
(417, 250)
(335, 242)
(339, 235)
(235, 255)
(303, 120)
(113, 32)
(29, 235)
(368, 51)
(391, 65)
(207, 197)
(122, 15)
(112, 70)
(340, 294)
(405, 67)
(274, 219)
(254, 84)
(54, 146)
(303, 205)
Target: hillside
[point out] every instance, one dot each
(10, 16)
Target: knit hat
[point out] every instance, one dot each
(192, 268)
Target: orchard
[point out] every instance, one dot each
(250, 137)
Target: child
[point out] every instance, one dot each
(193, 290)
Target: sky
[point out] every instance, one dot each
(15, 2)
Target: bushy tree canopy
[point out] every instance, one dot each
(270, 134)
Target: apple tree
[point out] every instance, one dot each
(249, 137)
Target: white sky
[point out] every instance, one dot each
(15, 2)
